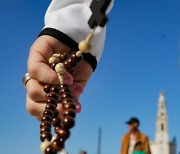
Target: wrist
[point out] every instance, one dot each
(69, 42)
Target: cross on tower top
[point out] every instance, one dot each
(98, 17)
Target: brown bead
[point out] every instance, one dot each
(56, 113)
(55, 89)
(49, 113)
(66, 95)
(69, 105)
(51, 107)
(76, 59)
(49, 150)
(45, 129)
(63, 133)
(46, 118)
(47, 88)
(72, 63)
(52, 66)
(63, 57)
(67, 100)
(68, 65)
(56, 122)
(52, 101)
(69, 112)
(63, 86)
(45, 123)
(62, 90)
(68, 122)
(57, 145)
(52, 95)
(46, 136)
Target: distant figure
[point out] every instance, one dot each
(134, 142)
(83, 152)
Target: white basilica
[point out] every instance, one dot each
(161, 144)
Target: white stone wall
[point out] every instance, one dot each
(162, 148)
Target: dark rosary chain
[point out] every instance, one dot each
(51, 117)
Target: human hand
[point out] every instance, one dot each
(39, 71)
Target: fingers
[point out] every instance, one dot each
(40, 52)
(40, 72)
(34, 108)
(78, 104)
(38, 68)
(35, 90)
(82, 73)
(76, 88)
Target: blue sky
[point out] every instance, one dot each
(140, 58)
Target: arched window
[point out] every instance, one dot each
(162, 127)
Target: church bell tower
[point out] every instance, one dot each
(162, 136)
(162, 144)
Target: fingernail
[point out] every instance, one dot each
(78, 108)
(68, 81)
(78, 90)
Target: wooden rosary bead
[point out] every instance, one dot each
(46, 136)
(63, 86)
(48, 112)
(49, 150)
(75, 59)
(62, 90)
(67, 100)
(68, 65)
(46, 118)
(44, 145)
(56, 122)
(69, 112)
(55, 89)
(84, 46)
(72, 63)
(63, 57)
(66, 95)
(68, 122)
(53, 60)
(57, 145)
(47, 88)
(60, 68)
(45, 129)
(52, 95)
(63, 133)
(69, 105)
(56, 113)
(52, 101)
(52, 66)
(45, 123)
(51, 107)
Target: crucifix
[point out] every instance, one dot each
(99, 17)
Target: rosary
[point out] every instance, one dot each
(61, 63)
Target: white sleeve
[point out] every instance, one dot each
(71, 17)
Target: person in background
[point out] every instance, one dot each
(83, 152)
(135, 142)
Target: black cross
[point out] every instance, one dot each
(99, 17)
